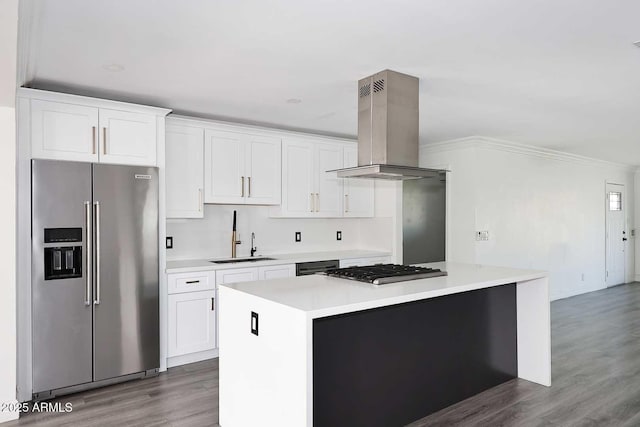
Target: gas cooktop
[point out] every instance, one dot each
(381, 274)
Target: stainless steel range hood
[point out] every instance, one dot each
(388, 129)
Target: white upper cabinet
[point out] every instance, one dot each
(328, 197)
(241, 168)
(64, 131)
(127, 138)
(358, 192)
(308, 190)
(263, 157)
(184, 172)
(224, 167)
(298, 188)
(78, 128)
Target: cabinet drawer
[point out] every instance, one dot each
(236, 275)
(277, 271)
(191, 282)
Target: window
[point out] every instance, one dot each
(615, 201)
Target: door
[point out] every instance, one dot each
(61, 303)
(184, 172)
(126, 320)
(64, 131)
(224, 173)
(616, 237)
(192, 322)
(298, 179)
(329, 193)
(263, 170)
(358, 192)
(127, 138)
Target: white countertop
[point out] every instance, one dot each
(183, 266)
(321, 296)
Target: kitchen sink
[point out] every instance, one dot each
(234, 260)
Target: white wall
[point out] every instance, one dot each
(8, 42)
(211, 237)
(543, 209)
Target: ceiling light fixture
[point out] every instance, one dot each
(115, 68)
(293, 101)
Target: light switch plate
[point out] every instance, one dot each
(482, 235)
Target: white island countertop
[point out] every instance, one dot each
(183, 266)
(321, 296)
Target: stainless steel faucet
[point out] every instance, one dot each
(253, 248)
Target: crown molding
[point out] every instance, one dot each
(483, 142)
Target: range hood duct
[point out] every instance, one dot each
(388, 129)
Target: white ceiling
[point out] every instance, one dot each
(559, 74)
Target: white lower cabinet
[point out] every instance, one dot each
(192, 323)
(276, 271)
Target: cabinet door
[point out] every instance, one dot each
(184, 172)
(64, 131)
(276, 271)
(298, 179)
(328, 197)
(127, 138)
(224, 174)
(263, 170)
(192, 322)
(358, 192)
(236, 275)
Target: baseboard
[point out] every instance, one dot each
(9, 415)
(191, 358)
(637, 278)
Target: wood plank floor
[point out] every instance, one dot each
(596, 381)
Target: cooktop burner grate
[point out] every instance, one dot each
(381, 274)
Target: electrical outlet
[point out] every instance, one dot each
(298, 236)
(169, 242)
(338, 235)
(482, 235)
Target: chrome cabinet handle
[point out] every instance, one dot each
(94, 139)
(97, 231)
(104, 140)
(346, 203)
(213, 304)
(311, 202)
(88, 254)
(249, 178)
(191, 282)
(199, 199)
(317, 202)
(242, 179)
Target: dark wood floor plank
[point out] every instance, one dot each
(595, 373)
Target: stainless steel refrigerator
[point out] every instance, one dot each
(94, 274)
(424, 220)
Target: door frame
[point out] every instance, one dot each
(606, 223)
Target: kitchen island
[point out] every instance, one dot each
(318, 350)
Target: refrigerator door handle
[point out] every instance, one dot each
(88, 254)
(97, 259)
